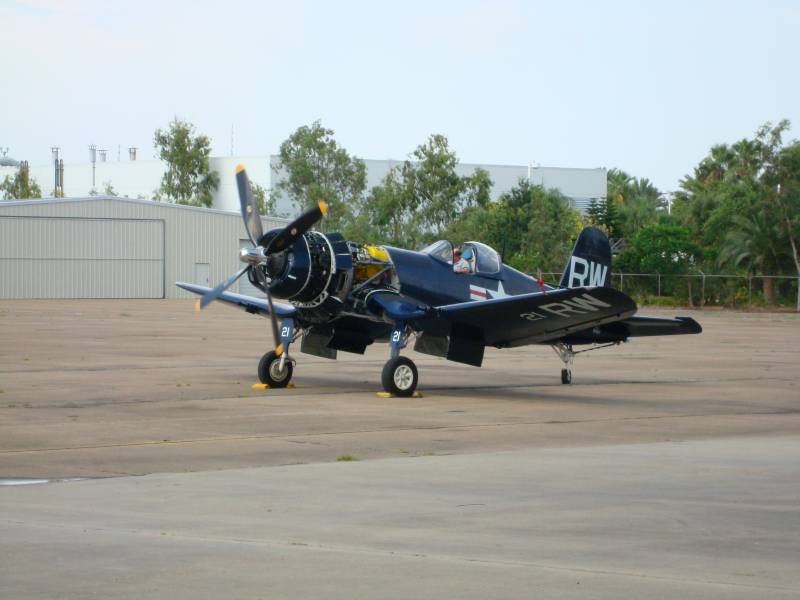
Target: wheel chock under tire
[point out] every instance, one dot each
(416, 394)
(265, 386)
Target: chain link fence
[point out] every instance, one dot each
(703, 289)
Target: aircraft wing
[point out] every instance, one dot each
(536, 317)
(248, 303)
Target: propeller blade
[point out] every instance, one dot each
(272, 318)
(298, 227)
(252, 220)
(212, 295)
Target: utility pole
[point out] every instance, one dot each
(93, 158)
(57, 184)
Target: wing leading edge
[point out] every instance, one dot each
(247, 303)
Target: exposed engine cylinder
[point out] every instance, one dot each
(301, 273)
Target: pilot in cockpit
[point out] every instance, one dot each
(461, 261)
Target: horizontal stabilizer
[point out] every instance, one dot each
(645, 326)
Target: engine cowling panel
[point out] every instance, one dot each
(324, 275)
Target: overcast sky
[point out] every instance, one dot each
(641, 86)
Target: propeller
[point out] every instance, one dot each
(259, 255)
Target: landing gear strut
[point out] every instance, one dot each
(399, 376)
(567, 356)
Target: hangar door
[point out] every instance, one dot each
(63, 257)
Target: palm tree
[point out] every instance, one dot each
(756, 242)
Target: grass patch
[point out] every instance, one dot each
(347, 458)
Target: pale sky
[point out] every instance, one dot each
(642, 86)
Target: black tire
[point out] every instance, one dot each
(399, 376)
(566, 376)
(268, 370)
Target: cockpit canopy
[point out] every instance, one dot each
(486, 260)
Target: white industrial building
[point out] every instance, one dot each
(106, 247)
(141, 178)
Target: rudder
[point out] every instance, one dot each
(590, 262)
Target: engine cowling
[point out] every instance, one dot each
(302, 273)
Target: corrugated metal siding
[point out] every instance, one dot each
(57, 257)
(191, 236)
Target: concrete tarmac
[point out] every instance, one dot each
(700, 519)
(669, 467)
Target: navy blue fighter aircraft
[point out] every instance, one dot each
(343, 296)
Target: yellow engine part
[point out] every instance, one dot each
(364, 272)
(377, 252)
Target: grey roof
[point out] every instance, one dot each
(131, 200)
(7, 161)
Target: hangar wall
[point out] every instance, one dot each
(106, 247)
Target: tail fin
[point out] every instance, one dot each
(590, 263)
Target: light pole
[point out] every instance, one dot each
(56, 173)
(93, 159)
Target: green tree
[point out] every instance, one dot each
(664, 248)
(784, 176)
(442, 193)
(754, 242)
(660, 248)
(739, 204)
(108, 189)
(604, 214)
(265, 201)
(317, 168)
(420, 199)
(21, 185)
(390, 213)
(533, 227)
(188, 178)
(636, 202)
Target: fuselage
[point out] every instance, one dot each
(332, 282)
(432, 281)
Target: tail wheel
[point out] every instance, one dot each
(270, 372)
(400, 376)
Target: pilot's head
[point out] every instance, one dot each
(467, 254)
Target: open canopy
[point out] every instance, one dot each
(487, 260)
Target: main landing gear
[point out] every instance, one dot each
(272, 372)
(275, 367)
(399, 376)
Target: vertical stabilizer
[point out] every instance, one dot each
(590, 262)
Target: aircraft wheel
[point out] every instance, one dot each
(566, 376)
(400, 376)
(269, 370)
